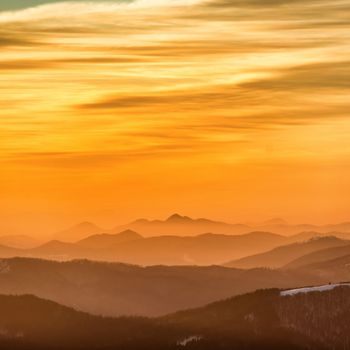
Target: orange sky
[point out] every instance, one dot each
(235, 110)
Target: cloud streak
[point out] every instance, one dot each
(229, 70)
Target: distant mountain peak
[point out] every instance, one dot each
(55, 243)
(85, 225)
(276, 221)
(78, 232)
(129, 232)
(178, 217)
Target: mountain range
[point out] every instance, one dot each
(186, 226)
(205, 249)
(114, 289)
(287, 254)
(266, 319)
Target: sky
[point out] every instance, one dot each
(236, 110)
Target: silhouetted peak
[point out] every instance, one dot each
(177, 217)
(276, 221)
(86, 225)
(129, 233)
(55, 244)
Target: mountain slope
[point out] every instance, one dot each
(130, 247)
(106, 240)
(59, 251)
(333, 270)
(281, 256)
(319, 256)
(8, 252)
(204, 249)
(263, 320)
(78, 232)
(27, 322)
(113, 289)
(19, 241)
(322, 315)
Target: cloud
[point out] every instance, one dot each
(73, 9)
(7, 40)
(30, 64)
(312, 77)
(119, 81)
(255, 3)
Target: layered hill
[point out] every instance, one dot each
(181, 225)
(254, 249)
(333, 270)
(78, 232)
(185, 225)
(113, 289)
(285, 254)
(130, 247)
(203, 249)
(105, 240)
(268, 319)
(319, 256)
(19, 241)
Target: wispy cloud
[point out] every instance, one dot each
(85, 73)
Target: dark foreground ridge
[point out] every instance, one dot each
(265, 319)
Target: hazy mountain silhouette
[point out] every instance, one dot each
(333, 270)
(282, 255)
(106, 240)
(203, 249)
(274, 221)
(6, 252)
(182, 225)
(58, 250)
(320, 256)
(19, 241)
(261, 320)
(130, 247)
(118, 289)
(78, 232)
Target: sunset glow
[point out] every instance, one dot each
(237, 110)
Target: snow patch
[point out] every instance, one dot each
(250, 317)
(323, 288)
(190, 339)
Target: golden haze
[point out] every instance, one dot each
(236, 110)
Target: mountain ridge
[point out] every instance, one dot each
(284, 254)
(261, 320)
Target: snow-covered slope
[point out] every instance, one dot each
(313, 289)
